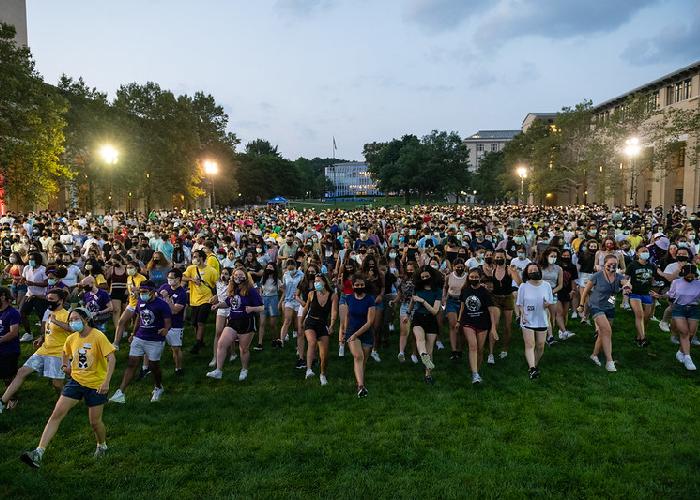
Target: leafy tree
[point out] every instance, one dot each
(491, 179)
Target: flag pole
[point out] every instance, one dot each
(335, 178)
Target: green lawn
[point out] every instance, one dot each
(576, 432)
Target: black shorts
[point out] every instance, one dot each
(118, 294)
(74, 390)
(200, 314)
(243, 325)
(477, 328)
(36, 304)
(8, 365)
(426, 321)
(318, 326)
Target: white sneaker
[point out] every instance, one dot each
(610, 366)
(654, 319)
(503, 355)
(212, 363)
(391, 327)
(2, 406)
(309, 373)
(286, 338)
(680, 357)
(665, 327)
(440, 346)
(414, 359)
(233, 357)
(118, 397)
(427, 362)
(574, 314)
(674, 340)
(323, 379)
(27, 337)
(341, 350)
(689, 363)
(375, 356)
(625, 307)
(490, 360)
(476, 378)
(294, 334)
(216, 374)
(695, 340)
(243, 375)
(595, 360)
(563, 335)
(402, 357)
(156, 394)
(116, 347)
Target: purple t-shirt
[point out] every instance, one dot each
(238, 303)
(9, 317)
(97, 301)
(178, 296)
(151, 319)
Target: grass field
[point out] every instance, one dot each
(576, 432)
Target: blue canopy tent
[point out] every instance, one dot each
(278, 200)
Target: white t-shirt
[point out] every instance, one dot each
(531, 300)
(72, 274)
(35, 274)
(473, 263)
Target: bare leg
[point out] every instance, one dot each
(98, 427)
(63, 406)
(359, 356)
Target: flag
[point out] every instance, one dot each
(335, 148)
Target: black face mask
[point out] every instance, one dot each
(535, 275)
(682, 258)
(500, 262)
(474, 283)
(359, 290)
(52, 305)
(489, 260)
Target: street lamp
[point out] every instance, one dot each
(211, 168)
(109, 155)
(631, 150)
(522, 173)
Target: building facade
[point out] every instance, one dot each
(531, 117)
(679, 182)
(14, 12)
(486, 141)
(351, 180)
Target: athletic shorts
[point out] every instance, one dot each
(151, 348)
(342, 299)
(504, 302)
(609, 313)
(319, 327)
(200, 314)
(47, 366)
(379, 306)
(366, 339)
(291, 304)
(403, 309)
(687, 312)
(74, 390)
(243, 325)
(8, 365)
(118, 294)
(271, 307)
(223, 312)
(452, 305)
(534, 328)
(174, 337)
(477, 328)
(645, 299)
(584, 278)
(426, 321)
(130, 308)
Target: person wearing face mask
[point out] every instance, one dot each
(175, 295)
(609, 248)
(586, 262)
(553, 274)
(269, 289)
(306, 286)
(670, 273)
(521, 260)
(244, 304)
(600, 294)
(641, 274)
(133, 281)
(97, 301)
(374, 285)
(569, 289)
(423, 309)
(201, 279)
(358, 330)
(290, 283)
(13, 271)
(48, 357)
(154, 322)
(157, 268)
(288, 249)
(476, 261)
(685, 290)
(116, 276)
(533, 301)
(319, 315)
(477, 316)
(89, 361)
(93, 267)
(221, 313)
(34, 276)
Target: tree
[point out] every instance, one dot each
(491, 179)
(31, 127)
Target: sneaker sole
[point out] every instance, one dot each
(27, 460)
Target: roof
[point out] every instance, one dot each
(493, 134)
(541, 116)
(691, 68)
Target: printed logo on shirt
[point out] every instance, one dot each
(236, 302)
(82, 359)
(472, 303)
(147, 317)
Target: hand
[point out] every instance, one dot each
(249, 309)
(197, 282)
(163, 332)
(164, 294)
(351, 338)
(104, 388)
(580, 308)
(214, 300)
(130, 339)
(494, 334)
(654, 294)
(66, 369)
(404, 319)
(214, 307)
(37, 343)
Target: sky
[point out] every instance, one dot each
(300, 72)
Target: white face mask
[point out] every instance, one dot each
(552, 260)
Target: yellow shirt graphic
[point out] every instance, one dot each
(89, 357)
(55, 336)
(132, 286)
(201, 294)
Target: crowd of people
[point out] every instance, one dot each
(242, 280)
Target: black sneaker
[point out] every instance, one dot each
(551, 341)
(196, 347)
(31, 458)
(301, 364)
(143, 373)
(532, 373)
(454, 356)
(642, 343)
(258, 347)
(179, 372)
(429, 380)
(536, 373)
(362, 392)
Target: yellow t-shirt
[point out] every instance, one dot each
(213, 262)
(576, 243)
(132, 287)
(100, 279)
(201, 294)
(55, 336)
(635, 241)
(89, 357)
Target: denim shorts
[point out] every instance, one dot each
(452, 305)
(379, 306)
(74, 390)
(366, 339)
(645, 299)
(609, 313)
(271, 306)
(343, 300)
(688, 312)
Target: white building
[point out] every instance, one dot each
(486, 141)
(351, 180)
(14, 12)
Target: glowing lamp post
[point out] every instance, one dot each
(522, 173)
(211, 168)
(631, 150)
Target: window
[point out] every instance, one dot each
(480, 148)
(687, 89)
(494, 146)
(678, 197)
(678, 92)
(653, 102)
(669, 95)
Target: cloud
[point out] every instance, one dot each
(303, 8)
(678, 42)
(482, 78)
(441, 15)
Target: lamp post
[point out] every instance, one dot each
(211, 168)
(109, 155)
(632, 150)
(522, 173)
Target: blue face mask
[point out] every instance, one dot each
(318, 286)
(32, 263)
(77, 326)
(145, 297)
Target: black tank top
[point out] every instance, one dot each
(320, 312)
(503, 286)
